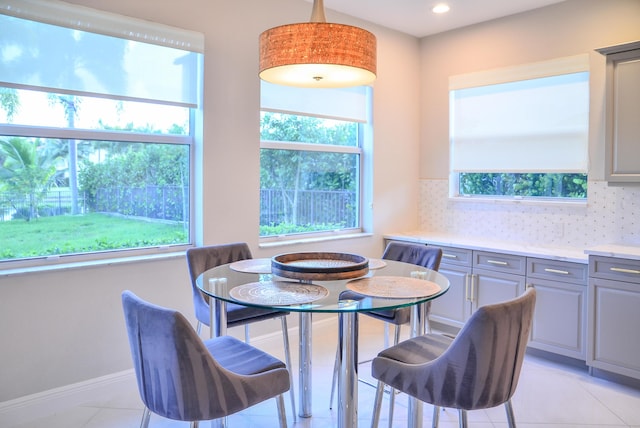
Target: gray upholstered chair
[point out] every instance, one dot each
(200, 259)
(417, 254)
(478, 369)
(184, 378)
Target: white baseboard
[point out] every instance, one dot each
(31, 407)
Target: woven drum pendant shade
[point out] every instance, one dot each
(318, 55)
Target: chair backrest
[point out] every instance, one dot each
(482, 365)
(417, 254)
(177, 376)
(200, 259)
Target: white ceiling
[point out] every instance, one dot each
(416, 18)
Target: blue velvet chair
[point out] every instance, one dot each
(478, 369)
(184, 378)
(200, 259)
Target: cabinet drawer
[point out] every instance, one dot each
(499, 262)
(557, 270)
(615, 269)
(456, 256)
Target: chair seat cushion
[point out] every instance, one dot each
(238, 314)
(238, 357)
(418, 350)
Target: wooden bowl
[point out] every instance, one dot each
(319, 266)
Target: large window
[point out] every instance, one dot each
(311, 160)
(97, 132)
(521, 132)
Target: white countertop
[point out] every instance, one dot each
(570, 254)
(623, 251)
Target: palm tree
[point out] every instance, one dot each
(26, 172)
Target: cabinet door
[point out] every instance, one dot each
(489, 287)
(559, 322)
(452, 307)
(622, 154)
(613, 326)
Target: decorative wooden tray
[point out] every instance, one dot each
(320, 266)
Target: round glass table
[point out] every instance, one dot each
(387, 285)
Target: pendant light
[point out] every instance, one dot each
(318, 54)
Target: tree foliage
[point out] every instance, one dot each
(293, 171)
(27, 168)
(524, 185)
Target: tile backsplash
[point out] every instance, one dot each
(611, 215)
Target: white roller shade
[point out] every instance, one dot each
(539, 124)
(51, 45)
(335, 103)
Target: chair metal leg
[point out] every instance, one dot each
(144, 423)
(336, 365)
(219, 423)
(247, 337)
(392, 400)
(198, 328)
(282, 416)
(386, 335)
(287, 360)
(377, 404)
(436, 417)
(511, 420)
(194, 424)
(462, 414)
(392, 392)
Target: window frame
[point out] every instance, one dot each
(358, 149)
(526, 73)
(125, 28)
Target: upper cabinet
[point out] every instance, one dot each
(623, 113)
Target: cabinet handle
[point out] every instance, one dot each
(449, 256)
(623, 270)
(466, 287)
(473, 291)
(562, 272)
(497, 262)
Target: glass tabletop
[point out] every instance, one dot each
(387, 285)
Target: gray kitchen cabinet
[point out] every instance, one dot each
(477, 278)
(622, 155)
(614, 318)
(453, 307)
(559, 323)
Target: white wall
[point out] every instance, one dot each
(66, 326)
(568, 28)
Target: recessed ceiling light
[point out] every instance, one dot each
(440, 8)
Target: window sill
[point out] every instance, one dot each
(582, 203)
(88, 264)
(284, 241)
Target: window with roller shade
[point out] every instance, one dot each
(99, 118)
(521, 132)
(312, 160)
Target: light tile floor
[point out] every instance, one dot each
(549, 395)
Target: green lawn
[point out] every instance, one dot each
(82, 234)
